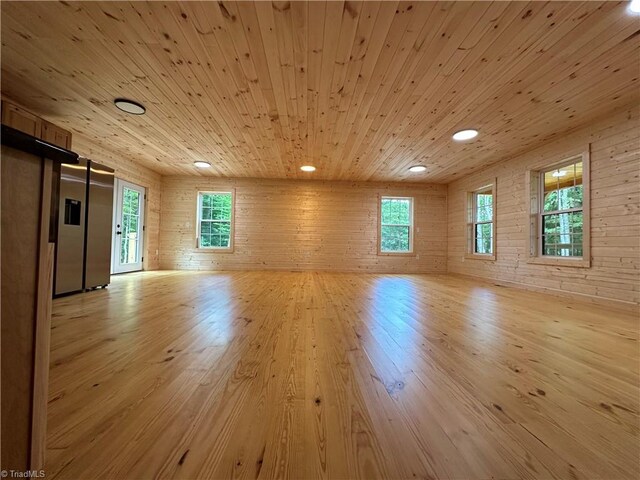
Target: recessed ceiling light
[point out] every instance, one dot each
(559, 173)
(465, 135)
(202, 164)
(129, 106)
(634, 6)
(308, 168)
(417, 168)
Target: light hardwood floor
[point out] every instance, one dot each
(323, 375)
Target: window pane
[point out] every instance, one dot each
(222, 206)
(562, 234)
(484, 230)
(575, 221)
(550, 223)
(219, 240)
(130, 201)
(484, 214)
(563, 188)
(484, 238)
(562, 226)
(576, 239)
(484, 207)
(570, 197)
(484, 245)
(484, 199)
(551, 201)
(216, 206)
(220, 228)
(133, 225)
(130, 227)
(551, 181)
(396, 211)
(552, 238)
(134, 201)
(394, 239)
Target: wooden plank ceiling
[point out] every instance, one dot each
(360, 90)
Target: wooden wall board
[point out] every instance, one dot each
(302, 225)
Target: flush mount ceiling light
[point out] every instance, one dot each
(202, 164)
(559, 173)
(418, 169)
(129, 106)
(463, 135)
(308, 168)
(634, 7)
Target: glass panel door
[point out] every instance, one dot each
(128, 227)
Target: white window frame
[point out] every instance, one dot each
(232, 222)
(535, 194)
(471, 221)
(411, 226)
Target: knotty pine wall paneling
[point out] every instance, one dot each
(614, 275)
(302, 225)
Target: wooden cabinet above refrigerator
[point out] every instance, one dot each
(23, 120)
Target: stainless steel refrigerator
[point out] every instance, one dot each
(84, 220)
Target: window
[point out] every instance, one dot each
(481, 223)
(215, 220)
(559, 225)
(561, 216)
(129, 241)
(396, 225)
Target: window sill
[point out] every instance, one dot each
(480, 256)
(214, 250)
(561, 262)
(397, 254)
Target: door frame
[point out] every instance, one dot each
(119, 186)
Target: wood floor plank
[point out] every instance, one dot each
(297, 375)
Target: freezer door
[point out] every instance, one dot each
(99, 221)
(71, 225)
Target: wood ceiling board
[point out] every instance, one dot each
(430, 131)
(360, 90)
